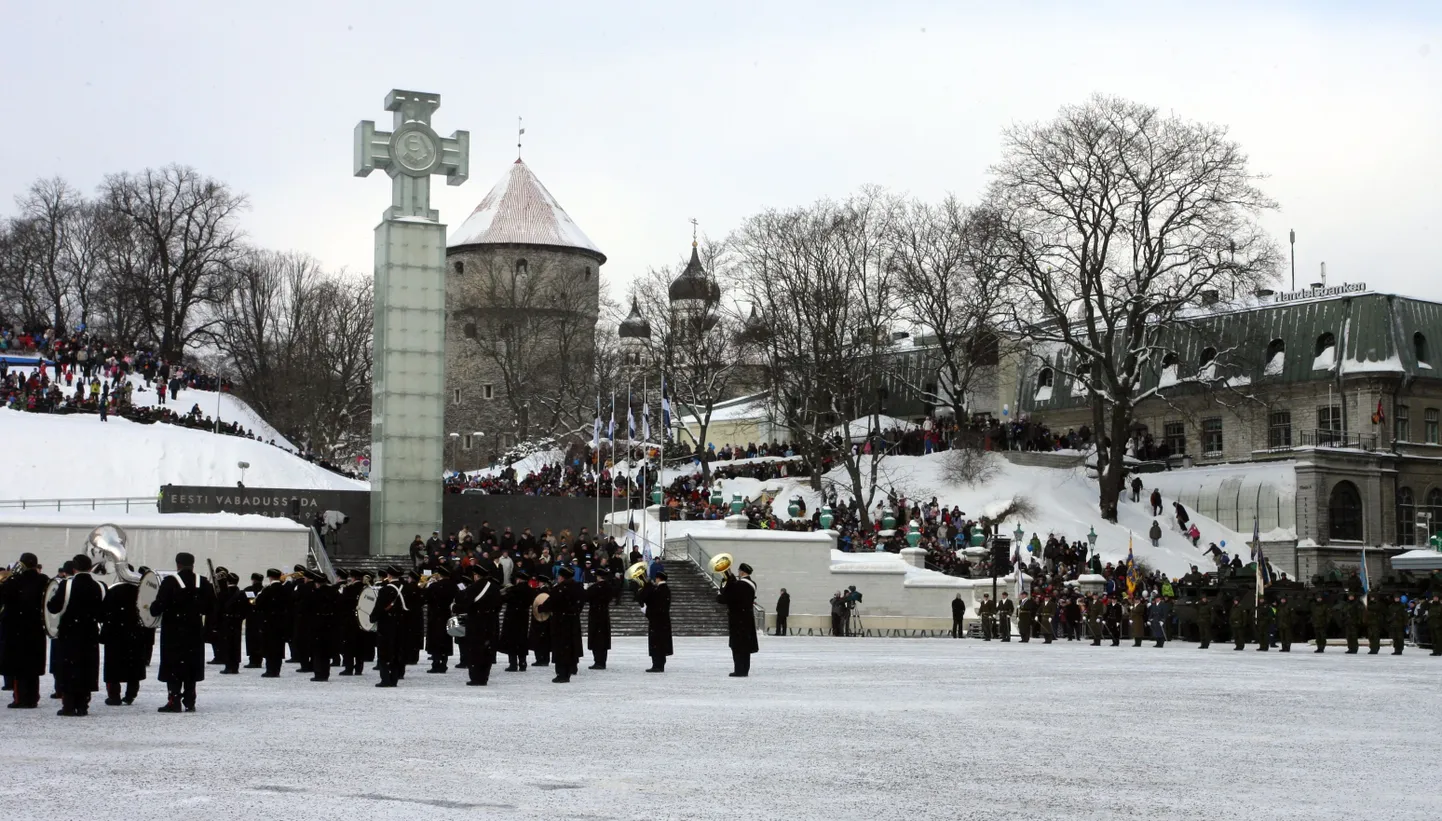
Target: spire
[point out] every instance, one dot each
(520, 131)
(634, 326)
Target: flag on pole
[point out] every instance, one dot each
(646, 421)
(630, 422)
(1366, 585)
(1131, 569)
(1264, 571)
(596, 437)
(1016, 566)
(665, 411)
(611, 428)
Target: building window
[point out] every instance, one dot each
(488, 391)
(1175, 434)
(1419, 347)
(469, 330)
(1429, 426)
(521, 269)
(587, 273)
(1344, 513)
(1329, 424)
(1432, 511)
(1326, 353)
(1044, 385)
(459, 267)
(1276, 357)
(1406, 516)
(1212, 437)
(1170, 366)
(456, 396)
(466, 442)
(1401, 424)
(1279, 429)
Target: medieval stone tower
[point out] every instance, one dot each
(522, 300)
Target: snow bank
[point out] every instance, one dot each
(173, 521)
(77, 456)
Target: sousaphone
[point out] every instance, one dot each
(363, 607)
(637, 572)
(106, 544)
(52, 620)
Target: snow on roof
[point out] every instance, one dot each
(1420, 559)
(1392, 364)
(520, 210)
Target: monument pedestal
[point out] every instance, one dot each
(408, 386)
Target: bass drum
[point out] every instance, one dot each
(52, 620)
(149, 588)
(363, 607)
(536, 612)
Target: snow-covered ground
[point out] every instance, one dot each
(823, 729)
(78, 456)
(1065, 503)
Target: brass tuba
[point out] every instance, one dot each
(637, 572)
(106, 546)
(721, 563)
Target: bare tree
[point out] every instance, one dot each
(948, 259)
(699, 348)
(819, 277)
(48, 209)
(185, 226)
(1118, 221)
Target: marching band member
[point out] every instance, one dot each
(389, 617)
(656, 599)
(22, 623)
(128, 643)
(480, 603)
(515, 629)
(272, 613)
(183, 602)
(79, 603)
(440, 594)
(739, 596)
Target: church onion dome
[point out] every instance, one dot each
(693, 282)
(520, 211)
(635, 326)
(709, 322)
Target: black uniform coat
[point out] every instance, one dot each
(598, 614)
(564, 605)
(183, 602)
(23, 624)
(481, 604)
(128, 644)
(515, 630)
(783, 605)
(439, 594)
(272, 616)
(78, 665)
(739, 596)
(656, 598)
(253, 641)
(414, 628)
(389, 617)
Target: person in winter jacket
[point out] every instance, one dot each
(1155, 534)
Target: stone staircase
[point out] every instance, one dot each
(694, 609)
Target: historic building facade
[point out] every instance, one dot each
(1338, 391)
(522, 301)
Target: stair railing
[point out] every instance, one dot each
(320, 556)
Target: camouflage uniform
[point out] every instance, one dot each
(1320, 617)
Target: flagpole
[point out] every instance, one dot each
(611, 436)
(630, 462)
(645, 498)
(661, 470)
(597, 465)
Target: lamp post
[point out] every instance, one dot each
(1019, 534)
(1292, 235)
(716, 497)
(1092, 543)
(242, 466)
(476, 438)
(455, 439)
(888, 520)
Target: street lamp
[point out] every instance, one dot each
(455, 439)
(242, 466)
(1092, 542)
(1019, 534)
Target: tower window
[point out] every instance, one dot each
(470, 330)
(587, 272)
(466, 442)
(456, 396)
(459, 267)
(522, 268)
(488, 391)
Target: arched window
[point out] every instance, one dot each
(1326, 352)
(1170, 359)
(459, 267)
(1044, 379)
(521, 268)
(1325, 341)
(1276, 357)
(1433, 505)
(1207, 364)
(1344, 513)
(1419, 347)
(1406, 516)
(1170, 364)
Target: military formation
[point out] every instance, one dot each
(1275, 621)
(471, 614)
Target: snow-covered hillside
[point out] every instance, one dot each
(1065, 501)
(78, 456)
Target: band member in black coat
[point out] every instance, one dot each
(415, 623)
(480, 603)
(738, 593)
(22, 623)
(128, 643)
(564, 605)
(516, 628)
(182, 604)
(389, 617)
(540, 632)
(80, 603)
(273, 616)
(440, 593)
(254, 643)
(323, 600)
(656, 598)
(783, 609)
(599, 595)
(299, 621)
(231, 609)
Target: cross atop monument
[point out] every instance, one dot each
(411, 152)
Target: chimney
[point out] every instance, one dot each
(1324, 275)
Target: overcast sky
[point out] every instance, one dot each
(641, 116)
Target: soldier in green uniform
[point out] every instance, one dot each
(1321, 614)
(1026, 617)
(1397, 622)
(987, 611)
(1376, 620)
(1239, 624)
(1094, 619)
(1353, 619)
(1286, 623)
(1139, 621)
(1265, 616)
(1048, 615)
(1204, 622)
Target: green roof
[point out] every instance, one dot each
(1373, 335)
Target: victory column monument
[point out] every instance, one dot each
(408, 382)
